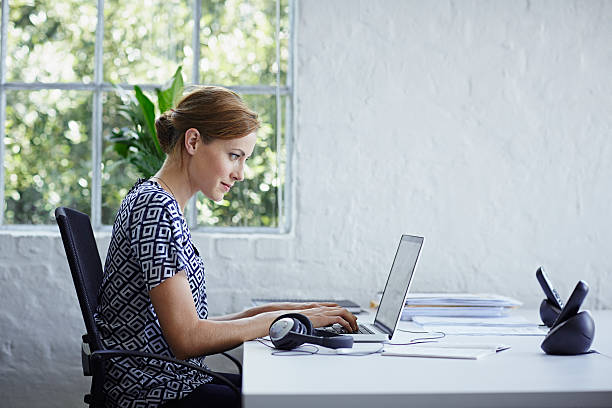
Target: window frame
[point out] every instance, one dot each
(98, 87)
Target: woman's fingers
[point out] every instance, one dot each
(349, 320)
(321, 314)
(328, 315)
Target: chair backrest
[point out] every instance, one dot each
(85, 265)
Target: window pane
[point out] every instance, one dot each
(238, 42)
(145, 40)
(47, 158)
(252, 202)
(117, 177)
(60, 32)
(284, 40)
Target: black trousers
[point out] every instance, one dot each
(212, 394)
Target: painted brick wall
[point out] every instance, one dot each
(484, 126)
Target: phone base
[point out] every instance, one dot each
(548, 312)
(573, 336)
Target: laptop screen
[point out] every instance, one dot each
(396, 289)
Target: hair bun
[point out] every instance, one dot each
(215, 112)
(166, 132)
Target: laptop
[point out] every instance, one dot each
(393, 297)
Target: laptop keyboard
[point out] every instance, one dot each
(339, 329)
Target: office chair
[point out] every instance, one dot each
(86, 269)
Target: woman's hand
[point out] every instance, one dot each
(327, 315)
(320, 313)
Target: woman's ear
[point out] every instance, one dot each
(192, 138)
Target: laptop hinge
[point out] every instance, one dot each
(381, 327)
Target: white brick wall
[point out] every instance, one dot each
(484, 126)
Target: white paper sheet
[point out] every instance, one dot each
(464, 353)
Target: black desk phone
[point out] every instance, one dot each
(571, 332)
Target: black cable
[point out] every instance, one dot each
(294, 352)
(263, 340)
(424, 339)
(302, 352)
(597, 352)
(411, 342)
(359, 353)
(297, 351)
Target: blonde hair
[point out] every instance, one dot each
(216, 112)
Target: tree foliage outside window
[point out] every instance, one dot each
(52, 153)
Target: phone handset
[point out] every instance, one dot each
(573, 331)
(551, 293)
(573, 303)
(552, 305)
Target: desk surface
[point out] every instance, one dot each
(521, 376)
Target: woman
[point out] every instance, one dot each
(153, 296)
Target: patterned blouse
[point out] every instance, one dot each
(150, 243)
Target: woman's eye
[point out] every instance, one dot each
(234, 156)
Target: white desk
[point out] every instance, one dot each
(522, 376)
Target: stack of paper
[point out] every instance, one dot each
(479, 326)
(458, 304)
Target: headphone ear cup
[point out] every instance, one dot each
(291, 330)
(308, 329)
(284, 328)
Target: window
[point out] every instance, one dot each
(59, 63)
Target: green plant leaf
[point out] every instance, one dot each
(148, 110)
(137, 144)
(168, 97)
(121, 149)
(177, 86)
(128, 114)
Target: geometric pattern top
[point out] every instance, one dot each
(150, 243)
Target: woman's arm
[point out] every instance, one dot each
(271, 307)
(190, 336)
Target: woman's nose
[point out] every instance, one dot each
(238, 174)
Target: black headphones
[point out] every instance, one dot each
(294, 329)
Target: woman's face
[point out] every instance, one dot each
(216, 166)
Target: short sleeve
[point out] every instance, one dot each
(158, 240)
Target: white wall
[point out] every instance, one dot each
(484, 126)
